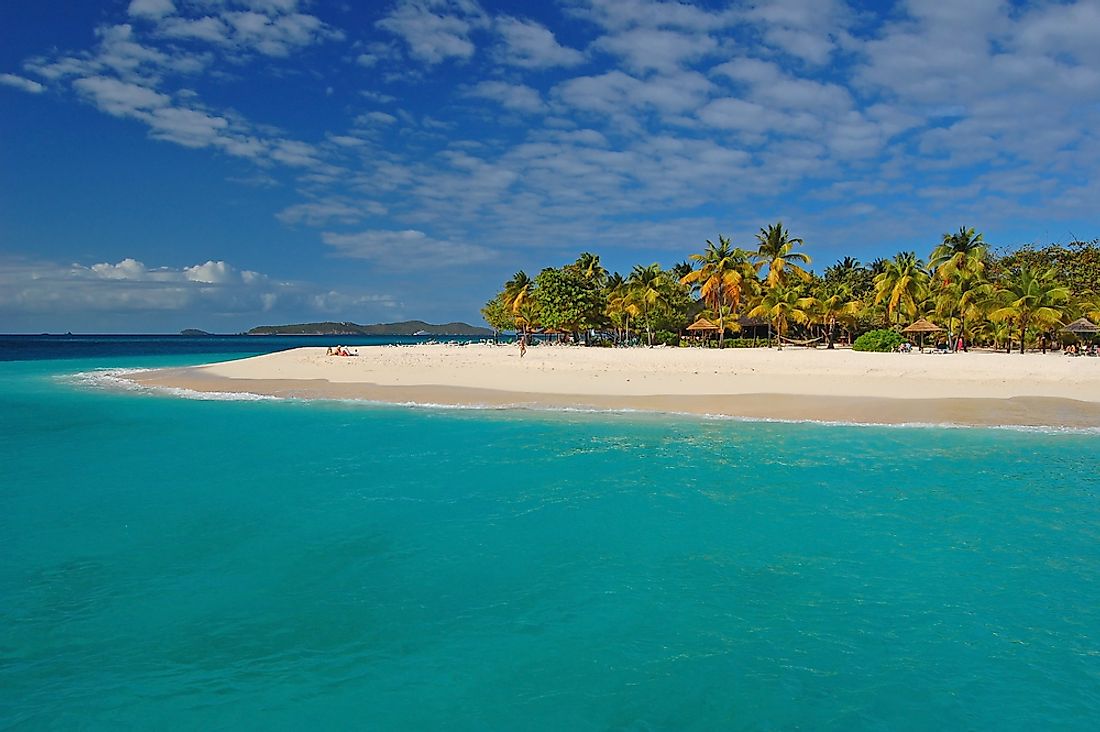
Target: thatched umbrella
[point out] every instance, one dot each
(922, 326)
(1081, 325)
(702, 325)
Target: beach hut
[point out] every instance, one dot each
(1081, 325)
(702, 327)
(922, 326)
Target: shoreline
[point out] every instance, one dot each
(976, 389)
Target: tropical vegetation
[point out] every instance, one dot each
(767, 294)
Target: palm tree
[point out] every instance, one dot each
(620, 305)
(589, 266)
(843, 269)
(783, 304)
(647, 291)
(961, 253)
(680, 270)
(527, 316)
(776, 252)
(518, 290)
(720, 279)
(958, 266)
(902, 285)
(964, 301)
(834, 303)
(1030, 298)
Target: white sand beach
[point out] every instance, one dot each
(794, 383)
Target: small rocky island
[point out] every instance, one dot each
(404, 328)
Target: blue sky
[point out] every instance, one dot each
(225, 163)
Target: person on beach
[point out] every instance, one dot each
(523, 345)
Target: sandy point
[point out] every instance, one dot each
(979, 387)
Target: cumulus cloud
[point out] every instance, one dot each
(515, 97)
(655, 49)
(530, 45)
(152, 9)
(130, 286)
(435, 30)
(668, 108)
(19, 82)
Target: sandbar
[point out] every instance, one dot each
(975, 388)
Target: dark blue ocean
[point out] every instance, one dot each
(186, 563)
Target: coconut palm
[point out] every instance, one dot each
(720, 279)
(843, 270)
(647, 291)
(620, 305)
(518, 290)
(680, 270)
(589, 266)
(783, 304)
(902, 286)
(1030, 298)
(961, 253)
(776, 252)
(834, 303)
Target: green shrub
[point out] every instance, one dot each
(878, 340)
(666, 338)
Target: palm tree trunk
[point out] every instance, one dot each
(832, 331)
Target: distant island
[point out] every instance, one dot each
(194, 332)
(404, 328)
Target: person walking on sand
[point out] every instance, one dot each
(523, 345)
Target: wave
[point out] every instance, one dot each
(116, 379)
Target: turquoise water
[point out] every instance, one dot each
(170, 563)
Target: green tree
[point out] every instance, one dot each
(1030, 299)
(568, 301)
(498, 315)
(776, 253)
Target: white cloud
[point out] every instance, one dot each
(404, 249)
(374, 118)
(532, 46)
(615, 92)
(209, 28)
(516, 97)
(120, 98)
(151, 9)
(654, 49)
(321, 213)
(32, 87)
(622, 14)
(129, 286)
(435, 30)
